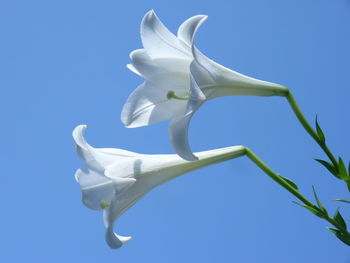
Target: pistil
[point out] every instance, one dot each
(171, 95)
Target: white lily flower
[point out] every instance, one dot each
(179, 79)
(114, 179)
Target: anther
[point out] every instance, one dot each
(104, 204)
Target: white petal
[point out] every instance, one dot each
(82, 146)
(113, 240)
(157, 70)
(97, 158)
(216, 81)
(123, 174)
(149, 104)
(196, 98)
(95, 188)
(127, 169)
(158, 40)
(179, 66)
(123, 184)
(133, 69)
(119, 204)
(178, 128)
(144, 64)
(188, 29)
(158, 169)
(202, 69)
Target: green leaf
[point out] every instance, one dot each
(330, 167)
(320, 132)
(343, 200)
(333, 230)
(323, 209)
(340, 235)
(342, 173)
(290, 182)
(338, 217)
(348, 183)
(311, 209)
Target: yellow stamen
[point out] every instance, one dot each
(104, 204)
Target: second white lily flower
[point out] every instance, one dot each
(179, 79)
(113, 179)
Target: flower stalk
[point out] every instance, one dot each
(341, 231)
(298, 113)
(276, 177)
(335, 167)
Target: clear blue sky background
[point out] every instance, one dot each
(62, 63)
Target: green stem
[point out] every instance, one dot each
(308, 127)
(335, 223)
(278, 179)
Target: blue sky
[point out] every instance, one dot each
(63, 64)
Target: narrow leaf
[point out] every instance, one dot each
(348, 183)
(330, 167)
(311, 209)
(333, 230)
(323, 209)
(338, 217)
(320, 132)
(343, 200)
(342, 173)
(290, 182)
(340, 235)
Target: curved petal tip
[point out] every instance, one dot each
(133, 69)
(188, 29)
(150, 15)
(126, 117)
(178, 131)
(78, 135)
(115, 241)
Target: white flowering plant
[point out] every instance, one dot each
(178, 79)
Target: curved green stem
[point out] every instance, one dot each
(336, 224)
(278, 179)
(294, 191)
(308, 127)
